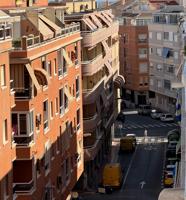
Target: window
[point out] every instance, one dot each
(150, 35)
(158, 36)
(47, 157)
(77, 86)
(45, 115)
(142, 38)
(159, 67)
(78, 119)
(55, 66)
(143, 67)
(49, 68)
(56, 106)
(175, 37)
(158, 51)
(167, 84)
(5, 131)
(2, 75)
(61, 102)
(150, 50)
(51, 110)
(176, 55)
(166, 35)
(23, 124)
(170, 68)
(143, 52)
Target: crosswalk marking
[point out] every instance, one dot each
(151, 140)
(135, 126)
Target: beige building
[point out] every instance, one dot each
(101, 85)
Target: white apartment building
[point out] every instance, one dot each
(165, 55)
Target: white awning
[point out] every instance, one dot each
(109, 67)
(33, 77)
(67, 93)
(177, 85)
(96, 20)
(110, 14)
(45, 30)
(106, 16)
(91, 23)
(53, 26)
(103, 19)
(68, 60)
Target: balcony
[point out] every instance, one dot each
(163, 91)
(90, 94)
(90, 123)
(23, 176)
(23, 187)
(25, 43)
(91, 38)
(90, 67)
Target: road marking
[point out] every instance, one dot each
(142, 183)
(130, 165)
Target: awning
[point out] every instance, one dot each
(103, 19)
(45, 30)
(96, 20)
(120, 81)
(109, 67)
(110, 14)
(52, 25)
(106, 16)
(67, 93)
(177, 85)
(44, 72)
(171, 193)
(91, 23)
(33, 77)
(106, 47)
(68, 60)
(165, 52)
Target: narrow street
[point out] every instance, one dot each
(143, 169)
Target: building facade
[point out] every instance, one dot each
(134, 58)
(166, 58)
(101, 85)
(44, 129)
(7, 102)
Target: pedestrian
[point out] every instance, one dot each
(145, 133)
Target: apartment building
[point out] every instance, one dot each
(101, 83)
(46, 122)
(7, 102)
(134, 57)
(166, 57)
(23, 3)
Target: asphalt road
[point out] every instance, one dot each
(143, 169)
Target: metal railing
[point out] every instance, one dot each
(23, 187)
(22, 140)
(23, 93)
(26, 42)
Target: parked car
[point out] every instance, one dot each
(173, 135)
(170, 168)
(144, 110)
(156, 114)
(167, 118)
(121, 117)
(169, 179)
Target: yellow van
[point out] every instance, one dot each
(112, 175)
(127, 143)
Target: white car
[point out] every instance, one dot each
(167, 118)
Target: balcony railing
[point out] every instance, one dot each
(23, 187)
(23, 93)
(32, 41)
(23, 140)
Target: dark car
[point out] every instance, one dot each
(121, 117)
